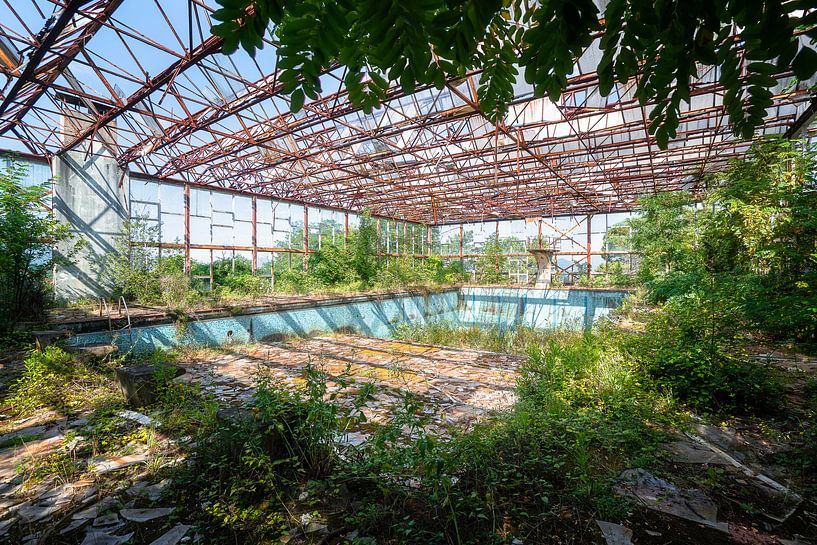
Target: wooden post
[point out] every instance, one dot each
(187, 229)
(306, 238)
(428, 241)
(254, 234)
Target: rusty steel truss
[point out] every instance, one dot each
(146, 83)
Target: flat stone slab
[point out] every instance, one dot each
(615, 534)
(120, 462)
(172, 536)
(44, 339)
(144, 515)
(660, 495)
(687, 452)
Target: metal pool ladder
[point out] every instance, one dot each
(103, 306)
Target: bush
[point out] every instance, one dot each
(248, 469)
(583, 415)
(54, 379)
(293, 281)
(27, 235)
(241, 284)
(333, 265)
(691, 350)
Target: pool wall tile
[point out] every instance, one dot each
(500, 307)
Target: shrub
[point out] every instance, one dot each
(691, 350)
(293, 281)
(583, 415)
(241, 284)
(333, 265)
(27, 234)
(54, 379)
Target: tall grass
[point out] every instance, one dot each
(512, 340)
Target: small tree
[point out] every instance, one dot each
(28, 232)
(132, 267)
(137, 271)
(491, 264)
(363, 246)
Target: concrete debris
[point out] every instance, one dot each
(796, 541)
(10, 458)
(75, 524)
(172, 536)
(768, 484)
(615, 534)
(85, 514)
(153, 492)
(456, 386)
(138, 417)
(144, 515)
(686, 452)
(659, 495)
(96, 536)
(78, 423)
(52, 501)
(29, 432)
(315, 527)
(111, 519)
(121, 462)
(5, 525)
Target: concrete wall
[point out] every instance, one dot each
(91, 194)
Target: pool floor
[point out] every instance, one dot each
(455, 386)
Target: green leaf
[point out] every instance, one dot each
(804, 64)
(296, 100)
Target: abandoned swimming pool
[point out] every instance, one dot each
(377, 317)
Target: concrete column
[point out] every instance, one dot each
(91, 195)
(544, 267)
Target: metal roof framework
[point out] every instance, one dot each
(149, 86)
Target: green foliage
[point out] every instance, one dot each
(491, 264)
(514, 340)
(241, 284)
(54, 379)
(334, 264)
(691, 348)
(248, 466)
(27, 234)
(752, 241)
(364, 249)
(293, 281)
(224, 266)
(431, 42)
(585, 412)
(140, 274)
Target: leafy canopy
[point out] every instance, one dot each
(28, 231)
(421, 43)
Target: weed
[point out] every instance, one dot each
(55, 379)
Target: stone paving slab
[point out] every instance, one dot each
(456, 386)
